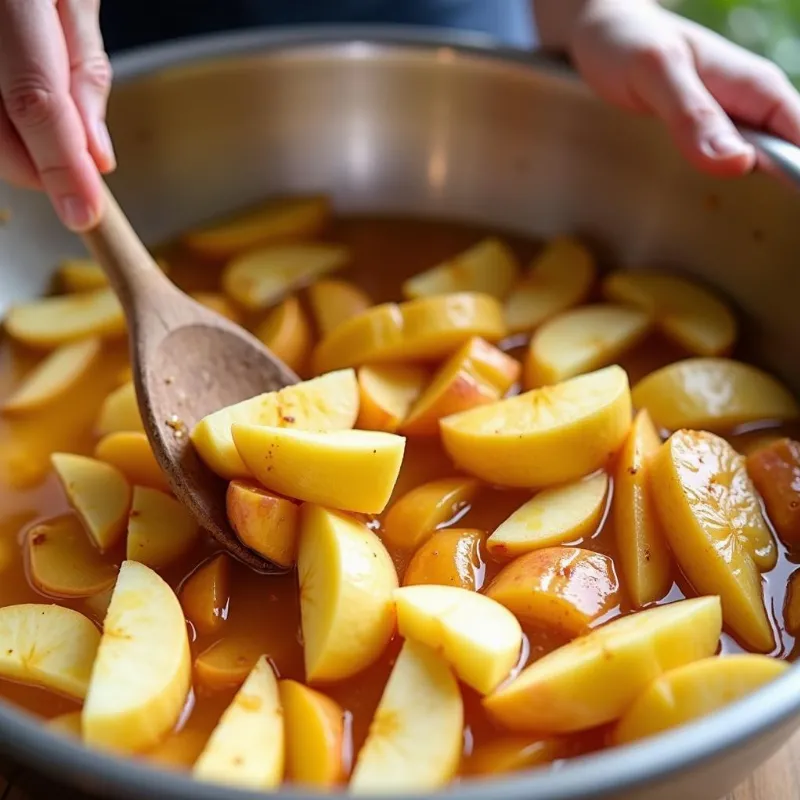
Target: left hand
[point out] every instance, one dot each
(646, 59)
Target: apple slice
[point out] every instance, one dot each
(595, 678)
(53, 321)
(227, 663)
(160, 529)
(98, 492)
(452, 557)
(47, 646)
(286, 331)
(85, 275)
(474, 633)
(350, 470)
(219, 303)
(693, 691)
(488, 266)
(712, 519)
(314, 736)
(97, 604)
(644, 557)
(205, 594)
(775, 472)
(53, 376)
(346, 583)
(582, 340)
(120, 412)
(246, 748)
(686, 312)
(427, 329)
(387, 392)
(258, 278)
(329, 402)
(562, 588)
(142, 674)
(264, 522)
(715, 394)
(62, 562)
(68, 724)
(414, 741)
(478, 373)
(546, 436)
(131, 454)
(180, 750)
(560, 277)
(278, 220)
(791, 608)
(553, 516)
(413, 518)
(516, 753)
(333, 302)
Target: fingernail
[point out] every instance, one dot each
(74, 212)
(104, 143)
(726, 145)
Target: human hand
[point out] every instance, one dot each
(54, 83)
(646, 59)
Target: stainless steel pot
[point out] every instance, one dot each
(405, 123)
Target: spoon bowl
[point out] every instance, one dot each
(187, 362)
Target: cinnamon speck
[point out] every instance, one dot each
(288, 419)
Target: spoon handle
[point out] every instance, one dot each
(134, 275)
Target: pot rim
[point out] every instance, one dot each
(594, 776)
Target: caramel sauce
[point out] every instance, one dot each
(264, 611)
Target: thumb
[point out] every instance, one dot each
(666, 82)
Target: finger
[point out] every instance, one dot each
(750, 88)
(15, 164)
(91, 74)
(668, 84)
(34, 85)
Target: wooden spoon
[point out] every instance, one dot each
(187, 361)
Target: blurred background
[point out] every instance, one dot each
(770, 27)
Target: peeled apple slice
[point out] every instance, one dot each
(714, 394)
(53, 321)
(414, 741)
(63, 562)
(142, 673)
(489, 267)
(553, 516)
(160, 529)
(582, 340)
(278, 220)
(334, 301)
(476, 635)
(98, 492)
(712, 519)
(131, 454)
(595, 678)
(427, 329)
(329, 402)
(286, 331)
(644, 557)
(47, 646)
(246, 748)
(685, 311)
(347, 580)
(352, 470)
(693, 691)
(120, 412)
(259, 278)
(560, 277)
(547, 436)
(387, 393)
(53, 376)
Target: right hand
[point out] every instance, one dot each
(54, 83)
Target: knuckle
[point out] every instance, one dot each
(694, 116)
(96, 71)
(659, 57)
(30, 103)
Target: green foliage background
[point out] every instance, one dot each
(770, 27)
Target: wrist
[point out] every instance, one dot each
(557, 20)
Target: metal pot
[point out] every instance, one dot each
(439, 127)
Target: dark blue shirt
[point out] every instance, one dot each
(131, 23)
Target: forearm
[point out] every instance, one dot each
(555, 19)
